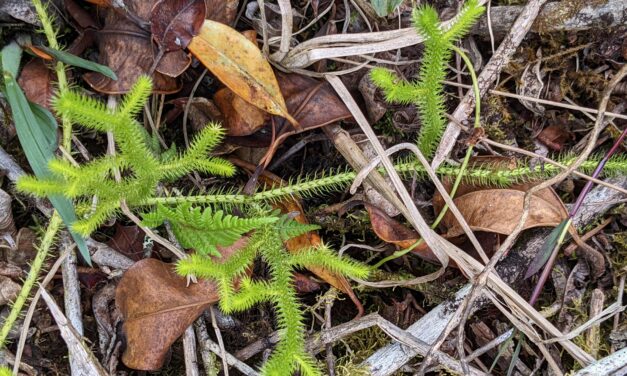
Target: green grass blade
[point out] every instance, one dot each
(36, 130)
(385, 7)
(11, 56)
(76, 61)
(515, 356)
(502, 349)
(546, 250)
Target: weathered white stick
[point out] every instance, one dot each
(84, 359)
(189, 350)
(72, 297)
(613, 364)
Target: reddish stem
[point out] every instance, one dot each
(584, 192)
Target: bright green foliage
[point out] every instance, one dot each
(267, 242)
(139, 167)
(203, 230)
(5, 371)
(427, 91)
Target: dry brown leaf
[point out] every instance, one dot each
(174, 23)
(157, 306)
(487, 211)
(391, 231)
(499, 210)
(174, 63)
(242, 118)
(304, 284)
(239, 64)
(312, 103)
(554, 137)
(223, 11)
(127, 49)
(37, 81)
(201, 112)
(128, 240)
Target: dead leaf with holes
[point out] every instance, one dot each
(157, 306)
(125, 46)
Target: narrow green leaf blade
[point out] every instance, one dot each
(512, 363)
(384, 7)
(547, 248)
(36, 130)
(76, 61)
(11, 57)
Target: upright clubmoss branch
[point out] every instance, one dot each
(463, 167)
(33, 274)
(427, 92)
(143, 168)
(51, 37)
(477, 124)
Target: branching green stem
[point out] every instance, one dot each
(330, 182)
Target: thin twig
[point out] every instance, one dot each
(33, 305)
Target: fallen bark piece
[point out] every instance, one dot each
(603, 14)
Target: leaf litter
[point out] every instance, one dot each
(271, 113)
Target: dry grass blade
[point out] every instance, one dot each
(442, 248)
(323, 47)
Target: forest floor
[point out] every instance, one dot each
(148, 233)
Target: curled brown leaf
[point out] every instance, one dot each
(157, 306)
